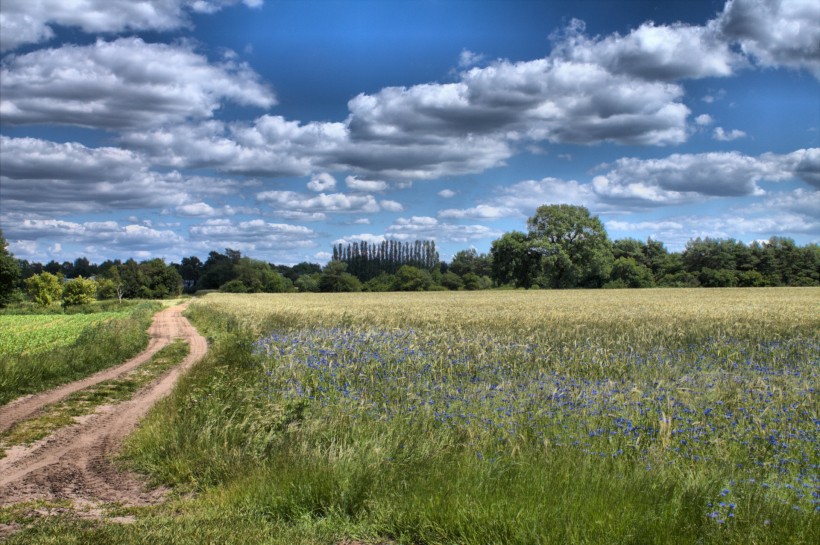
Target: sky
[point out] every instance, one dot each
(171, 128)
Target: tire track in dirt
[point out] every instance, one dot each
(161, 333)
(75, 463)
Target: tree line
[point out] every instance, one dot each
(564, 247)
(368, 260)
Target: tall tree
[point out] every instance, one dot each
(514, 262)
(9, 272)
(574, 246)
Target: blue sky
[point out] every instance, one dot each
(169, 128)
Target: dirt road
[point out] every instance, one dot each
(75, 462)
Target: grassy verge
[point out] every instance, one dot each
(99, 346)
(86, 401)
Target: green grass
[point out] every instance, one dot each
(70, 347)
(86, 401)
(659, 416)
(25, 335)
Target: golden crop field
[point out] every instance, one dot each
(651, 315)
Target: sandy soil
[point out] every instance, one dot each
(75, 463)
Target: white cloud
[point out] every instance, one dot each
(369, 186)
(482, 211)
(28, 21)
(423, 227)
(391, 206)
(128, 237)
(545, 99)
(322, 182)
(665, 52)
(685, 177)
(253, 235)
(366, 237)
(727, 136)
(121, 84)
(467, 58)
(43, 176)
(775, 32)
(196, 209)
(446, 193)
(362, 221)
(703, 120)
(333, 202)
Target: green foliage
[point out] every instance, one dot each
(383, 282)
(335, 278)
(234, 286)
(79, 291)
(573, 244)
(720, 278)
(409, 278)
(471, 281)
(79, 345)
(44, 288)
(308, 282)
(9, 273)
(451, 281)
(514, 261)
(631, 273)
(470, 261)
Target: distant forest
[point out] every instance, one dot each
(564, 247)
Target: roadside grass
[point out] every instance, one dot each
(648, 417)
(97, 347)
(86, 401)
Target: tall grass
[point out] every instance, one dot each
(666, 416)
(101, 345)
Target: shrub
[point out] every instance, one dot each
(79, 291)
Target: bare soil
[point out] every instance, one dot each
(75, 463)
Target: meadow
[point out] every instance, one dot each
(40, 351)
(639, 416)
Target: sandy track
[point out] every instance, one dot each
(75, 462)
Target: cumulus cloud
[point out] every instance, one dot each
(42, 176)
(482, 211)
(424, 227)
(704, 120)
(121, 84)
(775, 32)
(107, 233)
(29, 21)
(391, 206)
(527, 195)
(545, 99)
(652, 52)
(270, 146)
(322, 182)
(253, 235)
(366, 237)
(368, 186)
(446, 193)
(722, 135)
(324, 203)
(633, 184)
(686, 177)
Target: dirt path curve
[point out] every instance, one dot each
(75, 462)
(161, 333)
